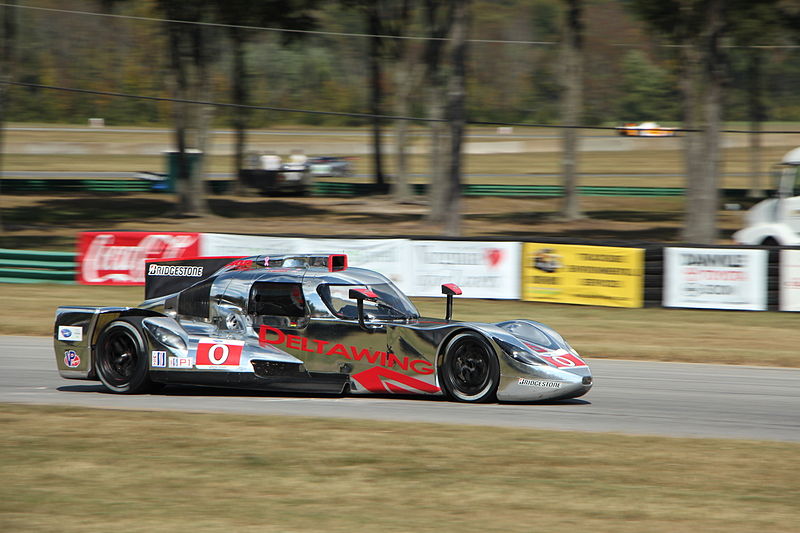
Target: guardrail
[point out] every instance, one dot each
(27, 266)
(17, 185)
(342, 188)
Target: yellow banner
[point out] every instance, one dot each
(587, 275)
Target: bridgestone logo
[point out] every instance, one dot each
(540, 383)
(175, 270)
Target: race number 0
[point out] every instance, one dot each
(212, 354)
(562, 361)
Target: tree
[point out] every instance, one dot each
(572, 105)
(189, 58)
(7, 45)
(456, 116)
(295, 14)
(438, 20)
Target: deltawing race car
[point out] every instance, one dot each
(307, 323)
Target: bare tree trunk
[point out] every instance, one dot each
(439, 20)
(456, 117)
(703, 172)
(239, 84)
(439, 154)
(406, 77)
(375, 92)
(757, 116)
(9, 26)
(179, 116)
(572, 104)
(202, 118)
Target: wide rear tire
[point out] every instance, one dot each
(121, 358)
(470, 371)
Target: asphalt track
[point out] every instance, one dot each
(632, 397)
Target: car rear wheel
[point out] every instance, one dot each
(121, 359)
(470, 371)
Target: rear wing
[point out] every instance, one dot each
(166, 276)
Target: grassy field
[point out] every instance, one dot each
(700, 336)
(74, 469)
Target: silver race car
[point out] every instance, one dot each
(307, 323)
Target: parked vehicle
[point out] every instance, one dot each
(776, 220)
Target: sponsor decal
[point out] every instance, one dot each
(118, 258)
(539, 383)
(270, 335)
(378, 379)
(585, 275)
(218, 352)
(175, 270)
(566, 360)
(70, 333)
(71, 359)
(180, 362)
(158, 359)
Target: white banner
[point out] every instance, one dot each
(481, 269)
(790, 280)
(419, 268)
(390, 257)
(714, 278)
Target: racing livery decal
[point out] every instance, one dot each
(539, 383)
(304, 344)
(70, 333)
(218, 352)
(158, 359)
(180, 362)
(71, 359)
(378, 379)
(565, 360)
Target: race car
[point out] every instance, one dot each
(307, 323)
(646, 129)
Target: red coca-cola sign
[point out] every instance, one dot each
(118, 257)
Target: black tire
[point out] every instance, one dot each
(121, 358)
(470, 371)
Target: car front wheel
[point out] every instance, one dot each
(121, 360)
(470, 371)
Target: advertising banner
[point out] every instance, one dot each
(118, 257)
(480, 269)
(715, 278)
(790, 280)
(390, 257)
(586, 275)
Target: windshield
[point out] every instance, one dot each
(391, 305)
(537, 334)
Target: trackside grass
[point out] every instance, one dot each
(700, 336)
(74, 469)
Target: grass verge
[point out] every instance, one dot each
(699, 336)
(74, 469)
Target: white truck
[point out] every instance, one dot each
(776, 221)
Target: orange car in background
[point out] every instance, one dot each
(646, 129)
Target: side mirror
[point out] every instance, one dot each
(449, 290)
(359, 295)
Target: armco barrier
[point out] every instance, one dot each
(26, 266)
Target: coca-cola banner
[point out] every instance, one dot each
(118, 257)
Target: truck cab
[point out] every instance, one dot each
(776, 220)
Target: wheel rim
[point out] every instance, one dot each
(119, 357)
(470, 368)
